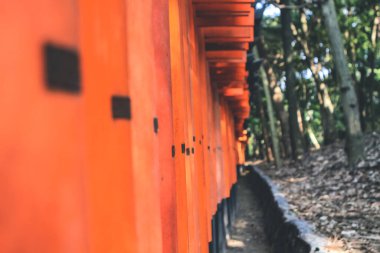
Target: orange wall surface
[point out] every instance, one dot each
(76, 178)
(42, 131)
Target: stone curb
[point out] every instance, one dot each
(286, 233)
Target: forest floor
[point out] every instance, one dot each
(340, 203)
(247, 233)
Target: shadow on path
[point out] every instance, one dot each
(247, 233)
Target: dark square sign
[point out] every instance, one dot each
(61, 68)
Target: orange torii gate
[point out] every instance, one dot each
(123, 123)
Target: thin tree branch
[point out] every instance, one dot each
(283, 6)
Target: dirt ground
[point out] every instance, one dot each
(247, 235)
(341, 203)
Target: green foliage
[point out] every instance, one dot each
(357, 20)
(362, 43)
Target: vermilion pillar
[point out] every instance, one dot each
(110, 181)
(42, 129)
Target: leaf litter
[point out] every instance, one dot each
(341, 203)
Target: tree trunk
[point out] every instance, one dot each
(272, 124)
(304, 95)
(373, 56)
(261, 148)
(277, 97)
(325, 104)
(362, 98)
(264, 125)
(295, 135)
(354, 142)
(304, 126)
(313, 139)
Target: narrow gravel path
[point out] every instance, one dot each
(247, 235)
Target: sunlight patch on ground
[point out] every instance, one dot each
(241, 224)
(335, 245)
(231, 243)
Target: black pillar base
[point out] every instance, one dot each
(222, 222)
(212, 245)
(221, 233)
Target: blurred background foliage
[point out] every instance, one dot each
(360, 25)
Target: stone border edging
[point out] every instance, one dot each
(286, 233)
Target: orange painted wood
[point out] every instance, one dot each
(223, 126)
(41, 133)
(217, 14)
(165, 128)
(196, 148)
(230, 77)
(226, 64)
(192, 203)
(227, 46)
(204, 139)
(228, 70)
(122, 185)
(109, 173)
(179, 116)
(223, 1)
(143, 20)
(228, 34)
(231, 92)
(226, 56)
